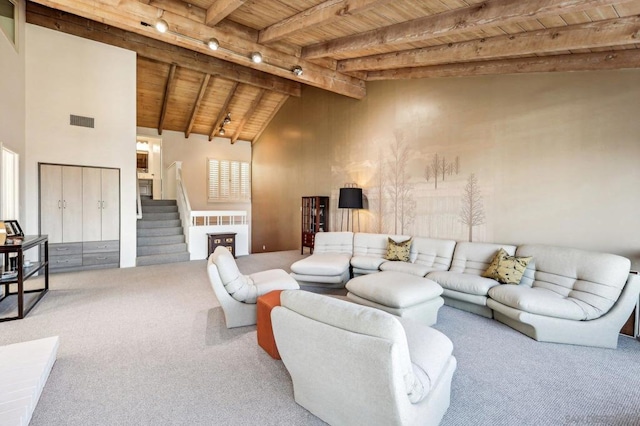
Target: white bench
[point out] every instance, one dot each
(24, 369)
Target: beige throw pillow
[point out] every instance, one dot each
(398, 251)
(507, 269)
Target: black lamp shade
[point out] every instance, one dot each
(350, 198)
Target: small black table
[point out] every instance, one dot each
(20, 246)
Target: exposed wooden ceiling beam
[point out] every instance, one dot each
(165, 100)
(157, 50)
(196, 106)
(620, 59)
(223, 111)
(188, 33)
(220, 9)
(268, 120)
(613, 32)
(321, 14)
(473, 18)
(252, 109)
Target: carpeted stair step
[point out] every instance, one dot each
(159, 232)
(164, 239)
(148, 202)
(160, 216)
(159, 223)
(159, 209)
(162, 249)
(157, 259)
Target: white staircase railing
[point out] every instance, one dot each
(197, 224)
(138, 201)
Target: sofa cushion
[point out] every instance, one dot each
(333, 242)
(394, 289)
(272, 279)
(507, 269)
(474, 258)
(430, 351)
(538, 300)
(367, 262)
(329, 264)
(398, 250)
(406, 267)
(464, 283)
(240, 287)
(433, 253)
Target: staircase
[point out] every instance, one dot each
(160, 237)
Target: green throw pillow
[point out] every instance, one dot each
(398, 251)
(507, 269)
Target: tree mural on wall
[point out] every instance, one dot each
(438, 168)
(472, 211)
(399, 190)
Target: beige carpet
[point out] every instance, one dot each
(148, 346)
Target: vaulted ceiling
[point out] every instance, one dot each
(185, 86)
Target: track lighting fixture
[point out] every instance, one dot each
(221, 132)
(256, 57)
(161, 25)
(227, 119)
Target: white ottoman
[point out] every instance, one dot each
(398, 293)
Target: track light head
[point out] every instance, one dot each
(297, 70)
(213, 44)
(227, 119)
(161, 25)
(221, 132)
(256, 57)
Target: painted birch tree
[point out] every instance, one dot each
(399, 190)
(472, 211)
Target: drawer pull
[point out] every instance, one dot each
(229, 240)
(217, 241)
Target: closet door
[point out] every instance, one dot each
(71, 204)
(51, 202)
(91, 204)
(110, 204)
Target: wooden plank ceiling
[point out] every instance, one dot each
(185, 86)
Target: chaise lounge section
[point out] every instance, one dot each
(328, 266)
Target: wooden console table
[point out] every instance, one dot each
(226, 239)
(14, 286)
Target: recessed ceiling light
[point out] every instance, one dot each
(213, 44)
(162, 26)
(256, 57)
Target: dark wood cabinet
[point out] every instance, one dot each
(227, 240)
(315, 218)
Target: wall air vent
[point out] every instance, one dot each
(77, 120)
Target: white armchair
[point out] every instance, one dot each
(352, 364)
(237, 293)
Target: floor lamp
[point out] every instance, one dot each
(350, 198)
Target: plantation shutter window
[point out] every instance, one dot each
(229, 180)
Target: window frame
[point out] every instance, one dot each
(236, 190)
(16, 24)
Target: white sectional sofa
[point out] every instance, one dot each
(566, 295)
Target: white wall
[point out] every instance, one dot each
(69, 75)
(12, 97)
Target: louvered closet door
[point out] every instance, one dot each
(51, 202)
(92, 204)
(110, 204)
(71, 204)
